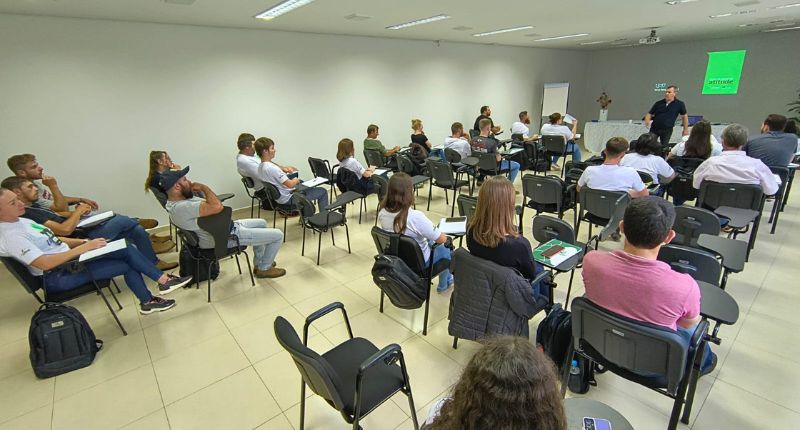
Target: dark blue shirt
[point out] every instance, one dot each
(664, 115)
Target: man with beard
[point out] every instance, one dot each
(184, 210)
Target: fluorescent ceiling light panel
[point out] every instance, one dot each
(597, 42)
(780, 29)
(568, 36)
(504, 30)
(725, 15)
(282, 8)
(787, 5)
(418, 22)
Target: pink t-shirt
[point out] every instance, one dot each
(645, 290)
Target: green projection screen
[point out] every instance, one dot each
(723, 72)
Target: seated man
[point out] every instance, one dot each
(185, 209)
(44, 253)
(270, 172)
(734, 166)
(773, 146)
(610, 176)
(486, 113)
(487, 144)
(372, 142)
(521, 127)
(556, 127)
(247, 163)
(458, 141)
(117, 227)
(633, 283)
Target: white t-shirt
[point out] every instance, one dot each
(653, 165)
(680, 148)
(418, 227)
(248, 166)
(520, 128)
(459, 145)
(269, 172)
(353, 165)
(611, 177)
(26, 241)
(555, 129)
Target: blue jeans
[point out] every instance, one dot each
(128, 262)
(574, 149)
(686, 334)
(265, 241)
(540, 288)
(513, 168)
(442, 252)
(318, 195)
(123, 227)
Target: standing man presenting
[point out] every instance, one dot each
(662, 116)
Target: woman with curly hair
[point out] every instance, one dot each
(508, 385)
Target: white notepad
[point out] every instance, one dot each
(380, 171)
(314, 182)
(110, 247)
(562, 256)
(95, 219)
(457, 225)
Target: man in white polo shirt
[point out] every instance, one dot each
(556, 127)
(521, 127)
(610, 176)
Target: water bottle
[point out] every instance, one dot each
(575, 378)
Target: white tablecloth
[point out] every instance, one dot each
(596, 134)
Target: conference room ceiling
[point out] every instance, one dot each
(609, 23)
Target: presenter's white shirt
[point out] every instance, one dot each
(555, 129)
(247, 166)
(520, 128)
(269, 172)
(611, 177)
(653, 165)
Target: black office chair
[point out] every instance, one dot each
(407, 249)
(442, 175)
(601, 208)
(681, 187)
(691, 222)
(546, 194)
(780, 196)
(354, 377)
(418, 177)
(161, 197)
(249, 188)
(546, 228)
(461, 166)
(33, 284)
(322, 169)
(742, 204)
(381, 188)
(555, 145)
(697, 263)
(466, 206)
(374, 158)
(487, 166)
(631, 349)
(326, 219)
(286, 210)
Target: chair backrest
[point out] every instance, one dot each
(28, 281)
(248, 186)
(272, 195)
(467, 205)
(546, 228)
(440, 172)
(602, 203)
(517, 137)
(405, 165)
(625, 345)
(306, 208)
(556, 143)
(543, 190)
(452, 156)
(189, 238)
(685, 164)
(159, 195)
(691, 222)
(744, 196)
(219, 227)
(401, 246)
(316, 372)
(697, 263)
(473, 133)
(783, 173)
(486, 161)
(320, 168)
(381, 186)
(645, 177)
(373, 157)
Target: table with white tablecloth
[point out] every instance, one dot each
(596, 134)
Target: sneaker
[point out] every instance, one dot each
(163, 265)
(272, 272)
(156, 304)
(711, 367)
(555, 166)
(173, 283)
(148, 223)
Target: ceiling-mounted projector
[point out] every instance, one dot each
(652, 39)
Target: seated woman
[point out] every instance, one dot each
(42, 251)
(418, 136)
(397, 215)
(700, 144)
(508, 384)
(647, 159)
(492, 233)
(347, 160)
(159, 163)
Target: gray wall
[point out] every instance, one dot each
(770, 78)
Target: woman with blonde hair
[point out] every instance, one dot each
(397, 215)
(346, 155)
(418, 135)
(508, 384)
(492, 233)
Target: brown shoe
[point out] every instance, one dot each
(159, 239)
(160, 248)
(163, 265)
(272, 272)
(148, 223)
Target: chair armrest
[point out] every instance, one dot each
(541, 276)
(321, 313)
(700, 332)
(344, 198)
(389, 355)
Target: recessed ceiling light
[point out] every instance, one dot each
(504, 30)
(787, 5)
(568, 36)
(596, 42)
(780, 29)
(725, 15)
(282, 8)
(357, 17)
(418, 22)
(677, 2)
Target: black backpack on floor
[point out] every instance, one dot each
(61, 340)
(404, 288)
(188, 265)
(554, 334)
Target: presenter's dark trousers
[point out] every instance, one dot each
(663, 136)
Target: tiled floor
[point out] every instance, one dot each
(218, 365)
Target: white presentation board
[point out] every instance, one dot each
(555, 98)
